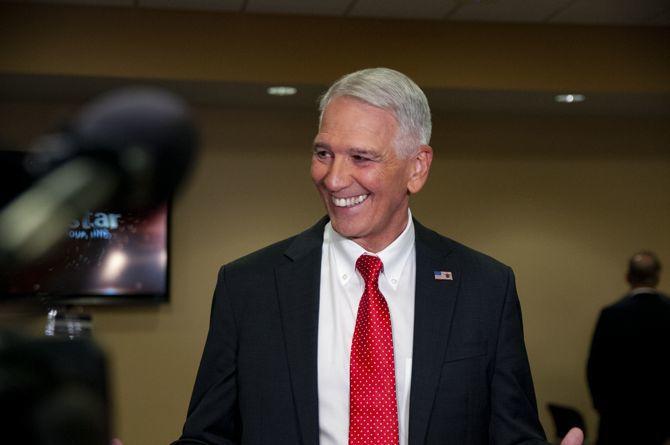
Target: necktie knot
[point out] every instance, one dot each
(369, 267)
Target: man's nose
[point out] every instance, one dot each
(338, 176)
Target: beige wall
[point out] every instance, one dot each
(149, 44)
(564, 201)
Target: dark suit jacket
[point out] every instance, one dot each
(257, 382)
(629, 370)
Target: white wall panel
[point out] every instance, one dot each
(417, 9)
(617, 12)
(508, 10)
(304, 7)
(207, 5)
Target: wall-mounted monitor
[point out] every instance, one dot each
(107, 256)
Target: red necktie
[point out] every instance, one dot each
(373, 410)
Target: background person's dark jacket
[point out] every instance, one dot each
(629, 370)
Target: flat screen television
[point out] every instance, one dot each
(105, 257)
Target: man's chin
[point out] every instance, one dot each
(346, 230)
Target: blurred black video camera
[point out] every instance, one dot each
(52, 392)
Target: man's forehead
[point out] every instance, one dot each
(350, 115)
(352, 104)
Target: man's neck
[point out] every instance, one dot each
(377, 245)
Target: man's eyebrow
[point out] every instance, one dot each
(353, 151)
(357, 151)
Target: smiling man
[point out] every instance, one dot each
(368, 328)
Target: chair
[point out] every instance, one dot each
(565, 418)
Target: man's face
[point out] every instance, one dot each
(365, 186)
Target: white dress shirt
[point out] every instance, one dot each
(341, 290)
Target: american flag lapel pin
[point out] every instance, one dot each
(443, 275)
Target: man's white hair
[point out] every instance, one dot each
(393, 91)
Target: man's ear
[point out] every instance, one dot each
(420, 167)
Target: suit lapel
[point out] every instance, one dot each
(298, 294)
(434, 306)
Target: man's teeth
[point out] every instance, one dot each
(349, 202)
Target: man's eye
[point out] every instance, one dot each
(359, 158)
(321, 154)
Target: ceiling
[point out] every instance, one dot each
(591, 12)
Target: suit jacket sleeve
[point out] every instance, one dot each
(514, 417)
(213, 414)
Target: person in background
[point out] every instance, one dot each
(629, 362)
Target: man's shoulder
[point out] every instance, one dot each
(633, 298)
(281, 251)
(639, 304)
(466, 256)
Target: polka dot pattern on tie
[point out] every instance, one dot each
(373, 416)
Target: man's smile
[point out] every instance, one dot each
(348, 202)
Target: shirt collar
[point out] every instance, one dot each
(345, 252)
(642, 290)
